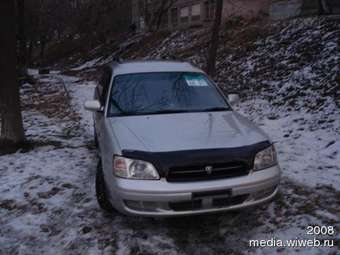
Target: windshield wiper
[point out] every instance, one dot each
(216, 109)
(116, 104)
(168, 111)
(131, 113)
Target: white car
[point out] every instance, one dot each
(170, 144)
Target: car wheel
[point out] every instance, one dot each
(101, 192)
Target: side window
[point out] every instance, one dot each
(104, 84)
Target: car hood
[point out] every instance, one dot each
(185, 131)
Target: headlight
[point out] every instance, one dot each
(265, 159)
(134, 169)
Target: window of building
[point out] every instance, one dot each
(196, 12)
(184, 15)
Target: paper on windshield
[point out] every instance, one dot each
(195, 80)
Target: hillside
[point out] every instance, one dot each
(298, 59)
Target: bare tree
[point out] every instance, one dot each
(324, 7)
(160, 9)
(163, 9)
(21, 33)
(102, 18)
(212, 54)
(11, 120)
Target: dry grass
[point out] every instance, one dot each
(49, 98)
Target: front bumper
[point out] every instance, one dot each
(161, 198)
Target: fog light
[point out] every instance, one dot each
(150, 206)
(142, 205)
(264, 193)
(135, 205)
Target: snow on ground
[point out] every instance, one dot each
(86, 65)
(307, 155)
(81, 91)
(48, 204)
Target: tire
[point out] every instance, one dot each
(101, 192)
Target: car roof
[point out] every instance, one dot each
(151, 66)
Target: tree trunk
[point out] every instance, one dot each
(22, 53)
(11, 120)
(324, 7)
(158, 15)
(146, 14)
(212, 54)
(29, 53)
(42, 49)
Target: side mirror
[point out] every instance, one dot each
(92, 105)
(233, 98)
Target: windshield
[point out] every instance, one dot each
(156, 93)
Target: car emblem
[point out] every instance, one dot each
(208, 169)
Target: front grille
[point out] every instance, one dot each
(207, 172)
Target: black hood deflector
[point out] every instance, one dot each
(163, 161)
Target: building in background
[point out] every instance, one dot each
(180, 14)
(190, 13)
(246, 8)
